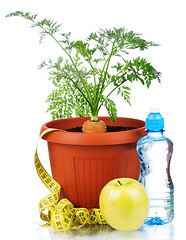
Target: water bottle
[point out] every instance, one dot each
(155, 151)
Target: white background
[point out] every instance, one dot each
(24, 89)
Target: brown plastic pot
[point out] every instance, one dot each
(82, 163)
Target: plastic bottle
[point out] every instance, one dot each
(155, 152)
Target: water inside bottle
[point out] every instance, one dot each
(155, 153)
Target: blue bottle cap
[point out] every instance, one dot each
(154, 121)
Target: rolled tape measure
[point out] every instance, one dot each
(62, 215)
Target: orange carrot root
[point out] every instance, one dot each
(94, 127)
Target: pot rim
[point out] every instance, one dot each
(108, 138)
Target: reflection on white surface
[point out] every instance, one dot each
(98, 232)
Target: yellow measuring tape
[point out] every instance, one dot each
(62, 215)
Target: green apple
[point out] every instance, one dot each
(124, 204)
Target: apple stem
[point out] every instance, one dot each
(119, 182)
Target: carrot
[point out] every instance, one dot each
(94, 126)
